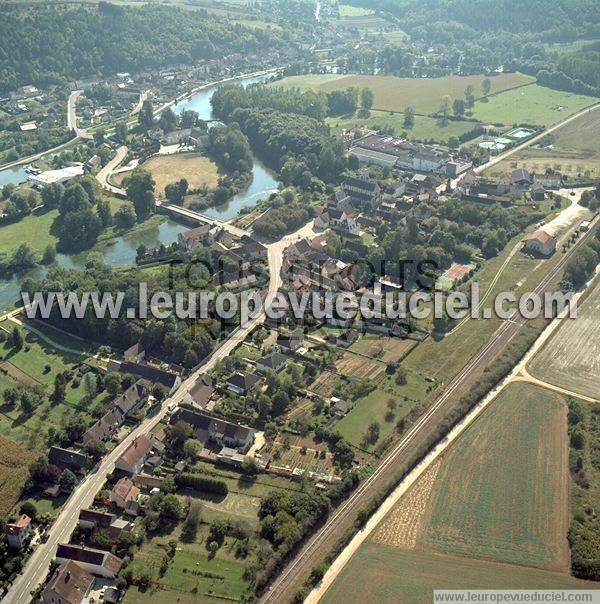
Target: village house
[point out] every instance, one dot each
(521, 178)
(135, 353)
(242, 383)
(170, 380)
(105, 427)
(66, 458)
(208, 428)
(134, 457)
(18, 531)
(69, 584)
(195, 238)
(200, 393)
(361, 189)
(94, 561)
(108, 524)
(274, 362)
(338, 407)
(539, 242)
(125, 496)
(290, 342)
(340, 221)
(133, 398)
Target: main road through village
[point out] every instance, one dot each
(37, 567)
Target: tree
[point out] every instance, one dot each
(99, 137)
(170, 507)
(213, 547)
(401, 376)
(486, 86)
(112, 383)
(409, 117)
(168, 120)
(146, 115)
(121, 132)
(60, 389)
(175, 192)
(372, 435)
(124, 217)
(16, 338)
(95, 449)
(366, 100)
(89, 383)
(445, 107)
(104, 213)
(458, 107)
(49, 255)
(29, 509)
(140, 191)
(52, 194)
(67, 480)
(178, 435)
(469, 96)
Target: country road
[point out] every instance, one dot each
(327, 536)
(38, 564)
(104, 174)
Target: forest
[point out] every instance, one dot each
(53, 44)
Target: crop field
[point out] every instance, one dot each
(530, 105)
(197, 169)
(356, 366)
(325, 384)
(394, 94)
(384, 573)
(492, 513)
(402, 527)
(571, 359)
(14, 471)
(384, 348)
(502, 490)
(353, 11)
(573, 149)
(424, 129)
(295, 456)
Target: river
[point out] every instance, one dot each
(263, 180)
(122, 250)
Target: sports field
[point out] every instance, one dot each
(383, 573)
(424, 129)
(571, 359)
(394, 94)
(572, 149)
(197, 169)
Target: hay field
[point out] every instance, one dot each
(14, 471)
(197, 169)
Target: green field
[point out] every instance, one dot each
(373, 408)
(394, 94)
(424, 129)
(353, 11)
(191, 576)
(33, 230)
(502, 490)
(530, 105)
(31, 361)
(380, 573)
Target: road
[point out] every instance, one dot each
(104, 174)
(403, 452)
(37, 566)
(187, 213)
(72, 115)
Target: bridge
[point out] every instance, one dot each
(200, 218)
